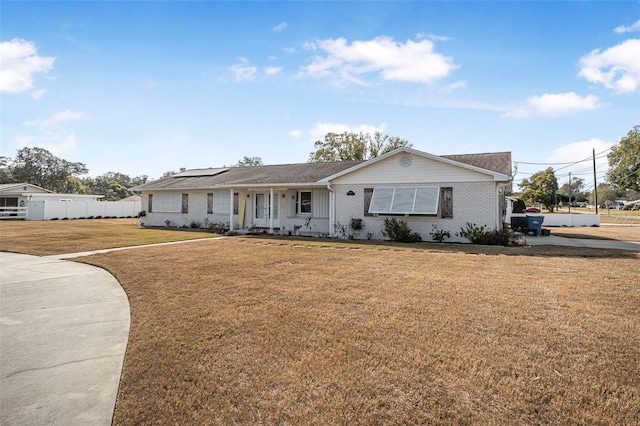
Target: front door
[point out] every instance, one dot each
(262, 209)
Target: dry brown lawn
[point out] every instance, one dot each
(71, 236)
(270, 331)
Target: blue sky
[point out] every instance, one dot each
(147, 87)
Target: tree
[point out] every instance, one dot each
(573, 189)
(541, 188)
(114, 186)
(171, 173)
(351, 146)
(607, 195)
(249, 161)
(624, 162)
(38, 166)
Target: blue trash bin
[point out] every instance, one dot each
(535, 222)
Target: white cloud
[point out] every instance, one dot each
(37, 94)
(67, 145)
(554, 105)
(295, 133)
(413, 61)
(19, 60)
(281, 26)
(289, 49)
(319, 130)
(453, 86)
(272, 70)
(617, 68)
(242, 73)
(433, 37)
(56, 118)
(631, 28)
(577, 151)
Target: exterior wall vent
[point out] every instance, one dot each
(405, 160)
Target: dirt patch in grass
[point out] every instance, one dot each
(605, 232)
(268, 331)
(44, 238)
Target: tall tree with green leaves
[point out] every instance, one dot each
(607, 195)
(114, 186)
(541, 187)
(249, 161)
(354, 146)
(624, 162)
(40, 167)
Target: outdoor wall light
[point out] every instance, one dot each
(351, 193)
(284, 196)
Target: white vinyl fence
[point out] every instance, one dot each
(13, 212)
(48, 210)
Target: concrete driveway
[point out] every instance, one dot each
(554, 240)
(63, 334)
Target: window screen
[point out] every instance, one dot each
(405, 200)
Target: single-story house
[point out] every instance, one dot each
(339, 199)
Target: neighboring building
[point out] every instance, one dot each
(31, 202)
(327, 198)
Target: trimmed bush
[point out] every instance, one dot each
(400, 232)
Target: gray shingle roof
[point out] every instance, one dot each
(303, 173)
(495, 161)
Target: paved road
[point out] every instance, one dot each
(63, 334)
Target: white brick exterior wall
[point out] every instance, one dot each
(474, 202)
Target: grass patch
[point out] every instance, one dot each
(275, 331)
(309, 331)
(57, 237)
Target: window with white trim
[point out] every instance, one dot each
(165, 202)
(304, 202)
(418, 200)
(221, 202)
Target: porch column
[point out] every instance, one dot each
(231, 227)
(271, 202)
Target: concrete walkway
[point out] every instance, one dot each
(63, 334)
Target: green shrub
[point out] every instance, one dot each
(479, 235)
(400, 232)
(439, 234)
(195, 224)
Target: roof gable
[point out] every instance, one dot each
(22, 188)
(471, 163)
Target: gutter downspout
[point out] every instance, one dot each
(332, 212)
(231, 226)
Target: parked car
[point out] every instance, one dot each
(532, 210)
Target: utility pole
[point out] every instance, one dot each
(569, 192)
(595, 184)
